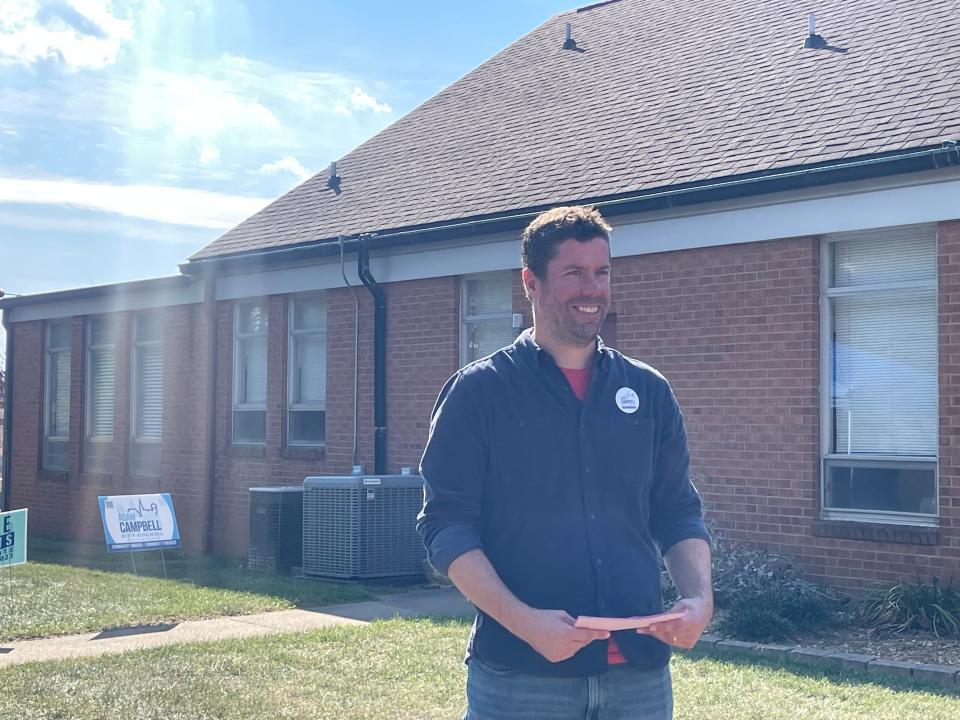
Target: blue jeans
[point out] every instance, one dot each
(623, 693)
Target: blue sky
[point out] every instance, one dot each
(134, 132)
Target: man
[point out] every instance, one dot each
(556, 471)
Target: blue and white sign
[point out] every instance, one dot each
(13, 538)
(139, 522)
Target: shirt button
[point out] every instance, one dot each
(593, 516)
(586, 468)
(599, 561)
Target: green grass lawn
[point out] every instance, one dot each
(407, 669)
(73, 588)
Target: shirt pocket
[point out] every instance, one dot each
(631, 457)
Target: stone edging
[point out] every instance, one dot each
(944, 675)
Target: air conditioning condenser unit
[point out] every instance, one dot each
(362, 526)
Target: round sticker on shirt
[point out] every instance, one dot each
(628, 400)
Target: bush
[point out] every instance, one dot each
(914, 606)
(764, 598)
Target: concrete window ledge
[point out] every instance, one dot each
(876, 532)
(944, 675)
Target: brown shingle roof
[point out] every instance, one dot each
(659, 93)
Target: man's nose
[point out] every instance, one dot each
(593, 285)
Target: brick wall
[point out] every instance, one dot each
(736, 331)
(64, 504)
(734, 328)
(423, 342)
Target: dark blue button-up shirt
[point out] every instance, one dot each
(572, 502)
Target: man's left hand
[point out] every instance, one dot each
(683, 632)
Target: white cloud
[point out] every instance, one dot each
(196, 106)
(208, 154)
(287, 164)
(362, 101)
(77, 33)
(87, 223)
(175, 206)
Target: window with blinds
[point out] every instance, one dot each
(56, 433)
(307, 382)
(880, 292)
(147, 414)
(250, 373)
(486, 315)
(101, 373)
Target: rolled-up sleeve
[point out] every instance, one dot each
(676, 512)
(454, 468)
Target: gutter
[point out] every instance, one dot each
(7, 415)
(210, 310)
(915, 160)
(379, 355)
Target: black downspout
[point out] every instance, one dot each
(379, 357)
(210, 309)
(7, 415)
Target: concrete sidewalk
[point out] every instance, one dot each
(439, 602)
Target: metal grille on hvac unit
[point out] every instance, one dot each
(362, 526)
(276, 521)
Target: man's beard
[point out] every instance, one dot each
(577, 334)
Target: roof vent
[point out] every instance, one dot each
(569, 43)
(813, 40)
(333, 181)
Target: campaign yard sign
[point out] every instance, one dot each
(139, 522)
(13, 538)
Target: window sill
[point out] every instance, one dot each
(53, 475)
(876, 532)
(96, 478)
(303, 453)
(246, 451)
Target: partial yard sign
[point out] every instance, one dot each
(13, 538)
(139, 522)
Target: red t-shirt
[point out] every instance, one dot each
(580, 380)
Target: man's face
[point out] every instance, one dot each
(571, 302)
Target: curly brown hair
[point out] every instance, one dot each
(552, 227)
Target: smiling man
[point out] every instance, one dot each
(556, 474)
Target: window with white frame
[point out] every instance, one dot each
(307, 381)
(880, 358)
(486, 314)
(56, 415)
(146, 425)
(250, 373)
(101, 373)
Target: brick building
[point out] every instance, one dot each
(786, 250)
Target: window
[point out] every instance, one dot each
(308, 371)
(56, 414)
(146, 425)
(880, 355)
(250, 373)
(101, 366)
(486, 315)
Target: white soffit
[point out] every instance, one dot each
(864, 210)
(117, 302)
(848, 207)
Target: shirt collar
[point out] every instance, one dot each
(533, 355)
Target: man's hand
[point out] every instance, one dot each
(683, 632)
(552, 634)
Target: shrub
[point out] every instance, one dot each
(764, 598)
(914, 606)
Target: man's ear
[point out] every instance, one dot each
(529, 282)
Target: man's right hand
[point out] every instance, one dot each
(552, 634)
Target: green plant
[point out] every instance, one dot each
(763, 597)
(914, 606)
